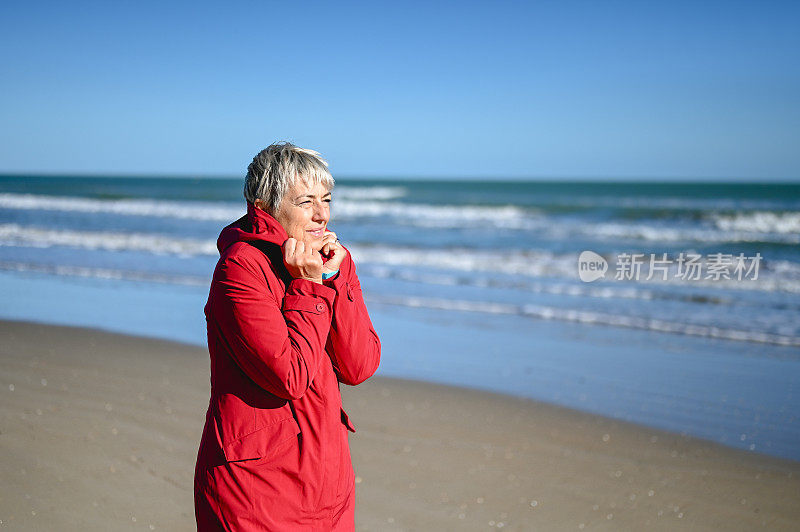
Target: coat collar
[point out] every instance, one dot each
(254, 227)
(265, 225)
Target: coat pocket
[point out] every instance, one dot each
(347, 422)
(265, 442)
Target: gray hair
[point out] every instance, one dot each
(277, 167)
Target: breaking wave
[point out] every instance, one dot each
(527, 310)
(589, 317)
(368, 193)
(196, 210)
(369, 205)
(759, 222)
(775, 276)
(25, 236)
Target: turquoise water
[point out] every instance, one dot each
(475, 268)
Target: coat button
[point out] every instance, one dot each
(320, 307)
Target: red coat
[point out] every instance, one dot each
(274, 454)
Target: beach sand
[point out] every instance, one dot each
(99, 431)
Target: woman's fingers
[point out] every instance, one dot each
(328, 241)
(289, 247)
(302, 261)
(336, 255)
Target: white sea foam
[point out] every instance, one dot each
(368, 193)
(753, 227)
(530, 263)
(572, 289)
(539, 263)
(525, 263)
(194, 210)
(26, 236)
(349, 203)
(588, 317)
(661, 233)
(488, 307)
(104, 273)
(550, 227)
(759, 222)
(440, 216)
(784, 277)
(671, 203)
(785, 268)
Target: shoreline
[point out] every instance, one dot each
(100, 430)
(599, 370)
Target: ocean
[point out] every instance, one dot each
(691, 324)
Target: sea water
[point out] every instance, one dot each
(474, 283)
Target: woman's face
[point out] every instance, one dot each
(304, 212)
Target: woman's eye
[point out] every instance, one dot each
(327, 200)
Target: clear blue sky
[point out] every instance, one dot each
(494, 89)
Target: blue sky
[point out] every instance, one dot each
(494, 89)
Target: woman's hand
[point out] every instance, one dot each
(335, 252)
(302, 261)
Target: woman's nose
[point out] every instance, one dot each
(321, 212)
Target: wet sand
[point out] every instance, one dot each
(99, 431)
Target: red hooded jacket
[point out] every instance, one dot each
(274, 453)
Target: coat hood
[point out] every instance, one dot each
(255, 226)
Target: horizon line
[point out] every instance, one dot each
(654, 179)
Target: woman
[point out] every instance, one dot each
(286, 324)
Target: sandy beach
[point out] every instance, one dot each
(99, 431)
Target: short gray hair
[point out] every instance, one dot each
(277, 167)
